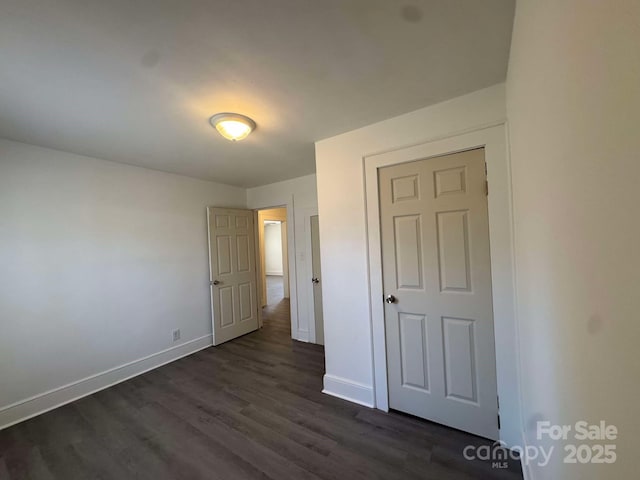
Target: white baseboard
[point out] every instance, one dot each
(275, 274)
(348, 390)
(526, 471)
(302, 336)
(527, 474)
(43, 402)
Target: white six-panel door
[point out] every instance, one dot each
(232, 273)
(437, 270)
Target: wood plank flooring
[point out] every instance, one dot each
(275, 289)
(251, 408)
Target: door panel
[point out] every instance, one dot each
(222, 221)
(223, 253)
(246, 302)
(405, 188)
(459, 358)
(408, 250)
(436, 263)
(233, 273)
(225, 295)
(453, 251)
(414, 351)
(244, 252)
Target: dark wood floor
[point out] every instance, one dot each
(251, 408)
(275, 289)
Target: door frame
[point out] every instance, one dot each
(493, 140)
(286, 202)
(262, 251)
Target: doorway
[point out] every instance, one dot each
(492, 140)
(273, 277)
(273, 261)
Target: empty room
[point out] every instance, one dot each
(330, 239)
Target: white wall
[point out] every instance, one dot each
(343, 242)
(299, 194)
(574, 113)
(99, 262)
(273, 248)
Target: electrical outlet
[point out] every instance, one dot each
(176, 335)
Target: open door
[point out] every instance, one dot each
(436, 265)
(316, 279)
(232, 267)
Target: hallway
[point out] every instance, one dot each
(250, 408)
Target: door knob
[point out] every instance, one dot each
(315, 280)
(215, 282)
(390, 299)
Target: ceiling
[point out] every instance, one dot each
(135, 81)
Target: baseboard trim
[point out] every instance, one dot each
(348, 390)
(526, 470)
(303, 336)
(527, 474)
(38, 404)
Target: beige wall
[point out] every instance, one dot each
(99, 263)
(573, 95)
(273, 249)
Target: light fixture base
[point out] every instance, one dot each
(232, 126)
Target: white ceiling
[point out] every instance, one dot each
(135, 81)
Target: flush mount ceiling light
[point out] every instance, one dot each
(232, 126)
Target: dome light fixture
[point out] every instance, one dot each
(232, 126)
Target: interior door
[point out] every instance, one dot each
(317, 279)
(232, 273)
(437, 284)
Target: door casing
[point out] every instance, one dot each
(493, 140)
(279, 214)
(285, 201)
